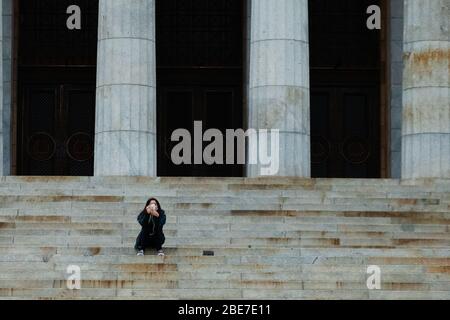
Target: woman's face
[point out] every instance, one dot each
(154, 204)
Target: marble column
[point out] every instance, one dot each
(125, 126)
(426, 88)
(279, 81)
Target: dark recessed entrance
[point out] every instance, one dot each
(199, 75)
(56, 88)
(345, 90)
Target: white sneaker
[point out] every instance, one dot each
(140, 253)
(161, 253)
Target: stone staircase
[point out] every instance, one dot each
(227, 238)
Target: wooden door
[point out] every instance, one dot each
(199, 75)
(57, 130)
(345, 90)
(345, 132)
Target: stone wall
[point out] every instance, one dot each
(396, 74)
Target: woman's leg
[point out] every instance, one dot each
(140, 242)
(156, 243)
(160, 242)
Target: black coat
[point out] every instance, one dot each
(151, 234)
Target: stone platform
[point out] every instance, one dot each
(271, 238)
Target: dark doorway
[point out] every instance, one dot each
(56, 88)
(199, 75)
(345, 90)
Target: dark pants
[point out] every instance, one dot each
(145, 241)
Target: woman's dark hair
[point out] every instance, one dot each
(157, 202)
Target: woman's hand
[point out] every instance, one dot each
(151, 211)
(156, 214)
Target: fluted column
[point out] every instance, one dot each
(426, 106)
(125, 128)
(279, 80)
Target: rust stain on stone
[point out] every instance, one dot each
(7, 225)
(44, 218)
(94, 251)
(336, 242)
(98, 198)
(418, 241)
(425, 63)
(407, 201)
(148, 267)
(439, 269)
(405, 286)
(278, 240)
(410, 261)
(428, 57)
(264, 283)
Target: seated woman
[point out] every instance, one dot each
(152, 220)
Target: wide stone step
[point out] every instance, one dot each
(312, 198)
(206, 209)
(224, 284)
(283, 215)
(173, 232)
(176, 280)
(161, 294)
(223, 294)
(313, 262)
(419, 254)
(38, 225)
(331, 274)
(235, 191)
(225, 241)
(36, 241)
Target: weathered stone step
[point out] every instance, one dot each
(225, 188)
(224, 293)
(174, 232)
(37, 241)
(405, 264)
(293, 215)
(188, 193)
(313, 294)
(329, 275)
(317, 198)
(206, 180)
(73, 207)
(233, 250)
(224, 284)
(161, 294)
(302, 231)
(39, 225)
(173, 263)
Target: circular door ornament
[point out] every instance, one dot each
(41, 146)
(355, 150)
(320, 149)
(80, 147)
